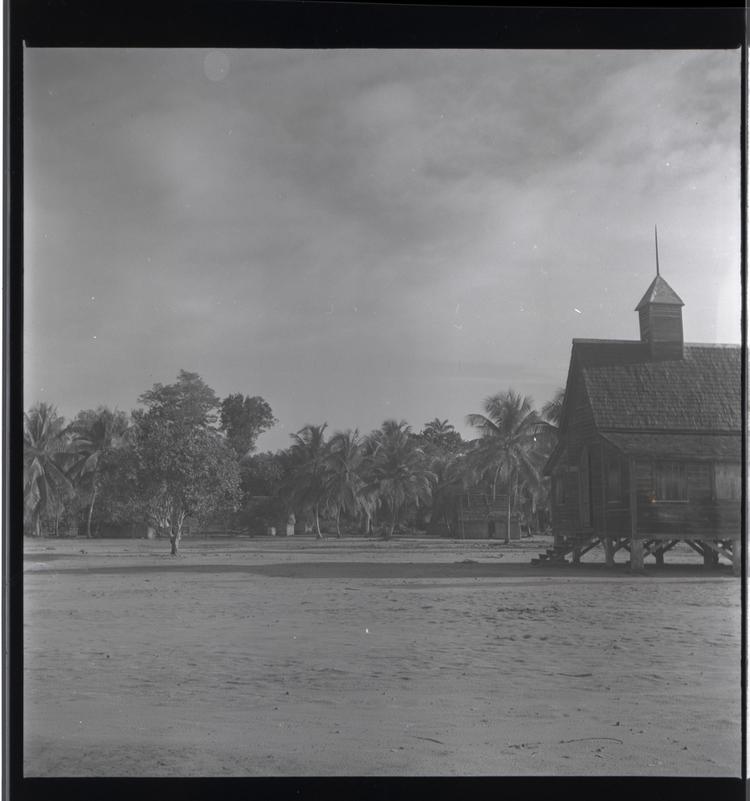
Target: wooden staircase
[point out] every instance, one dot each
(553, 556)
(556, 555)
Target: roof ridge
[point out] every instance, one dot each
(613, 341)
(641, 342)
(713, 345)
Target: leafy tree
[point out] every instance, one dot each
(119, 482)
(261, 479)
(243, 420)
(305, 484)
(342, 480)
(397, 471)
(442, 435)
(95, 434)
(189, 400)
(185, 468)
(45, 448)
(262, 473)
(508, 427)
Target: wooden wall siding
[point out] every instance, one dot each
(568, 515)
(700, 515)
(620, 501)
(482, 508)
(660, 322)
(644, 479)
(666, 323)
(700, 482)
(581, 425)
(644, 319)
(618, 522)
(720, 520)
(597, 489)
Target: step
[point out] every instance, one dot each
(550, 562)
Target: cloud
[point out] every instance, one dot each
(338, 229)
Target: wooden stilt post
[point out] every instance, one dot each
(659, 554)
(576, 556)
(636, 554)
(605, 540)
(737, 557)
(636, 545)
(708, 555)
(609, 555)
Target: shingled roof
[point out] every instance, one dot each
(697, 446)
(700, 392)
(660, 292)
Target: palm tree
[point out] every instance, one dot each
(342, 480)
(508, 427)
(450, 471)
(44, 450)
(305, 485)
(552, 409)
(436, 427)
(96, 434)
(397, 471)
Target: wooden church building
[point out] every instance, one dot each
(650, 444)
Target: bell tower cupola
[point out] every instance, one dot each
(660, 317)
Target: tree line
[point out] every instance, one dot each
(187, 455)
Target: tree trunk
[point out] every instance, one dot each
(338, 518)
(494, 482)
(507, 527)
(318, 535)
(91, 512)
(175, 534)
(393, 524)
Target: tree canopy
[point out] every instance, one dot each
(187, 455)
(186, 469)
(243, 420)
(189, 400)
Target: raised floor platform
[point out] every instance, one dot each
(639, 548)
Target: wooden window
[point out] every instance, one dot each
(671, 481)
(728, 481)
(614, 479)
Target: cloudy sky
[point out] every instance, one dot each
(358, 235)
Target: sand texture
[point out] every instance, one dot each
(284, 657)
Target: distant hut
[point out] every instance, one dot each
(481, 517)
(649, 450)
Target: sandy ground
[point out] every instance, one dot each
(360, 657)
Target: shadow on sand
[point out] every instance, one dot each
(403, 570)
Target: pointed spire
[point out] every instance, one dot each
(659, 291)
